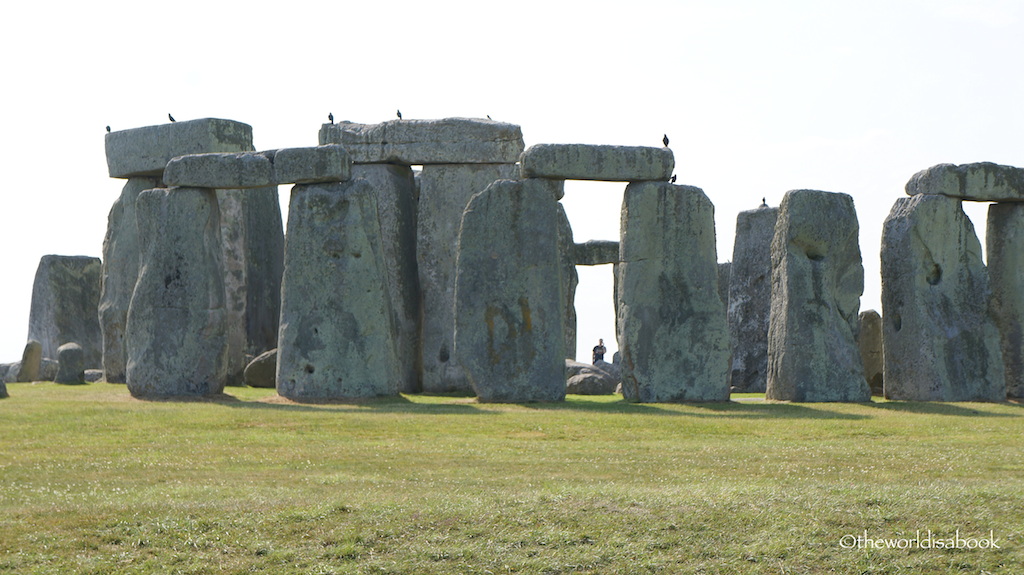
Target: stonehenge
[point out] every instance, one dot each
(749, 298)
(65, 297)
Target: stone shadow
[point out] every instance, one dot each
(940, 408)
(725, 409)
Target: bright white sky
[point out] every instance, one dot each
(757, 97)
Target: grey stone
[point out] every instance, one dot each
(445, 191)
(509, 304)
(1004, 241)
(71, 366)
(750, 298)
(31, 360)
(337, 337)
(817, 281)
(93, 375)
(9, 372)
(869, 341)
(119, 271)
(65, 304)
(176, 321)
(422, 142)
(939, 337)
(48, 369)
(3, 390)
(573, 367)
(596, 253)
(262, 371)
(980, 182)
(673, 335)
(397, 213)
(591, 380)
(570, 279)
(589, 162)
(724, 271)
(145, 151)
(243, 170)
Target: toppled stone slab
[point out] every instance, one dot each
(596, 252)
(65, 304)
(70, 364)
(869, 341)
(421, 142)
(1004, 242)
(590, 162)
(509, 314)
(601, 378)
(673, 335)
(243, 170)
(750, 298)
(145, 151)
(979, 182)
(262, 370)
(817, 281)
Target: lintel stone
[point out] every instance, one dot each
(419, 142)
(591, 162)
(979, 182)
(243, 170)
(596, 252)
(145, 151)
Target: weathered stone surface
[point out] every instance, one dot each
(71, 366)
(724, 271)
(3, 390)
(981, 182)
(588, 162)
(396, 208)
(596, 252)
(119, 271)
(421, 142)
(750, 298)
(65, 303)
(175, 330)
(242, 170)
(940, 340)
(48, 369)
(1004, 242)
(817, 281)
(445, 191)
(509, 304)
(145, 151)
(673, 335)
(337, 337)
(93, 375)
(591, 381)
(31, 359)
(869, 341)
(262, 371)
(570, 279)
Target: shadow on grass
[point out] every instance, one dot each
(935, 408)
(725, 409)
(399, 404)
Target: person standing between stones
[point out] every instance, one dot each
(599, 351)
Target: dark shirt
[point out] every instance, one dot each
(599, 353)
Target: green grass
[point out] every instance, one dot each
(93, 481)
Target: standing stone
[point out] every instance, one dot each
(31, 360)
(397, 213)
(509, 299)
(71, 370)
(3, 389)
(445, 191)
(817, 281)
(750, 298)
(65, 303)
(724, 271)
(338, 334)
(940, 340)
(567, 262)
(1004, 240)
(175, 331)
(673, 335)
(869, 341)
(118, 274)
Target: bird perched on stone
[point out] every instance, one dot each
(171, 118)
(764, 202)
(108, 129)
(664, 140)
(330, 116)
(673, 180)
(489, 117)
(399, 112)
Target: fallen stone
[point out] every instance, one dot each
(445, 191)
(242, 170)
(509, 305)
(980, 182)
(175, 330)
(1004, 242)
(570, 279)
(673, 335)
(145, 151)
(262, 371)
(93, 375)
(573, 367)
(817, 281)
(337, 338)
(119, 271)
(65, 304)
(423, 142)
(31, 361)
(869, 341)
(750, 298)
(596, 253)
(71, 366)
(588, 162)
(939, 337)
(592, 380)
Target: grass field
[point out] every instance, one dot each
(93, 481)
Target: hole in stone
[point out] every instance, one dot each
(310, 368)
(897, 322)
(357, 254)
(815, 257)
(443, 355)
(935, 274)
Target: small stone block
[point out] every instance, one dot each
(145, 151)
(328, 163)
(604, 163)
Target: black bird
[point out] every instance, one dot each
(108, 129)
(488, 116)
(330, 116)
(399, 112)
(764, 202)
(673, 180)
(171, 118)
(664, 140)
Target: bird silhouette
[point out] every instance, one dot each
(171, 118)
(108, 129)
(673, 180)
(764, 202)
(488, 116)
(330, 116)
(399, 112)
(664, 140)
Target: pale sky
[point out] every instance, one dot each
(757, 98)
